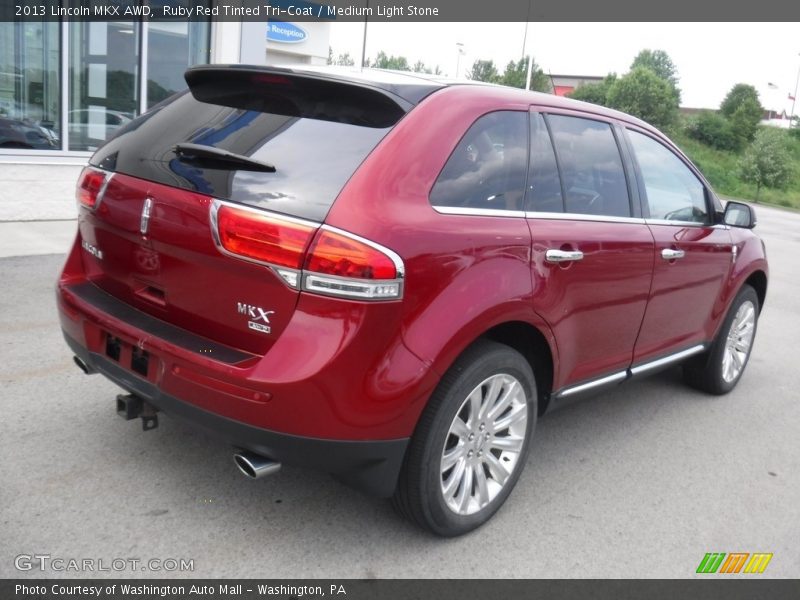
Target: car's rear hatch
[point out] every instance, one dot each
(293, 140)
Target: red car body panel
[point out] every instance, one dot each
(694, 281)
(600, 300)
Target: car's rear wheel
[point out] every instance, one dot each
(719, 370)
(470, 446)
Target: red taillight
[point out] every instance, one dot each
(263, 237)
(343, 256)
(90, 184)
(337, 263)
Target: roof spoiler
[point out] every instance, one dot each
(297, 94)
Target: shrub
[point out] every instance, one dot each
(713, 129)
(596, 93)
(766, 162)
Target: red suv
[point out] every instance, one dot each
(390, 278)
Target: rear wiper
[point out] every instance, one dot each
(198, 151)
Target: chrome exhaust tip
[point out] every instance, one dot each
(254, 465)
(82, 365)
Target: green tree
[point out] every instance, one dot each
(516, 74)
(745, 120)
(384, 61)
(596, 93)
(744, 110)
(767, 161)
(739, 94)
(484, 70)
(343, 59)
(661, 64)
(421, 67)
(399, 63)
(643, 94)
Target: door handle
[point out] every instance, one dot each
(670, 254)
(560, 256)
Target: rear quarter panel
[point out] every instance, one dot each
(464, 274)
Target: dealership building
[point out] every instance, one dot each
(65, 87)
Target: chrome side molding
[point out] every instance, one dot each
(622, 376)
(667, 360)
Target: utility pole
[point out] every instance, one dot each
(528, 78)
(364, 41)
(794, 98)
(525, 36)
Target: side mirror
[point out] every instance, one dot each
(739, 214)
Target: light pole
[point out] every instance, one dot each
(794, 98)
(459, 54)
(528, 75)
(525, 35)
(364, 41)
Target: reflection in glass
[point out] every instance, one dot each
(487, 168)
(104, 78)
(29, 86)
(674, 193)
(591, 167)
(171, 48)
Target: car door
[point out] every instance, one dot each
(592, 254)
(693, 254)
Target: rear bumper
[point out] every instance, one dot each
(338, 371)
(370, 466)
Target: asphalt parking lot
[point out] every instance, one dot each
(641, 482)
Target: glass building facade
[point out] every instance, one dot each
(66, 87)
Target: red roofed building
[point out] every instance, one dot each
(564, 84)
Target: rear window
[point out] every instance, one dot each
(486, 171)
(315, 146)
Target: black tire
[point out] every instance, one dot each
(705, 372)
(419, 495)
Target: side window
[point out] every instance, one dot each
(674, 193)
(487, 169)
(591, 167)
(544, 184)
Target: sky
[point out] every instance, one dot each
(710, 57)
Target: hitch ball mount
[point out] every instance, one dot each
(130, 407)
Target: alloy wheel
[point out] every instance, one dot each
(738, 342)
(484, 444)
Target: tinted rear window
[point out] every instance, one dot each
(487, 168)
(591, 167)
(313, 157)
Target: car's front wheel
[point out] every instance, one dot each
(719, 370)
(469, 448)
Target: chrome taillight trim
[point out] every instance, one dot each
(349, 287)
(312, 281)
(107, 177)
(393, 256)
